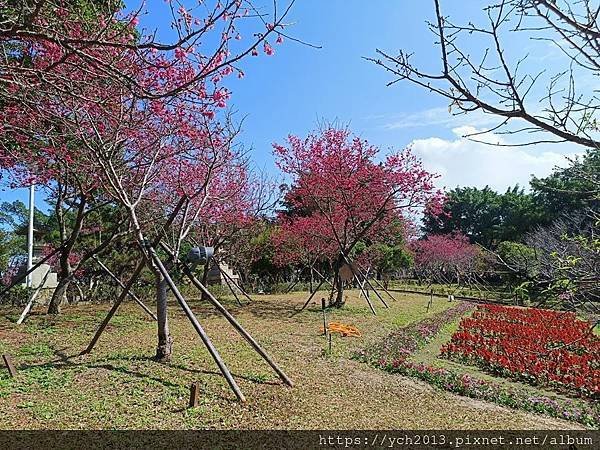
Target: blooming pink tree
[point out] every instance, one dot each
(301, 242)
(444, 258)
(120, 118)
(344, 194)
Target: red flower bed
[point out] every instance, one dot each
(538, 346)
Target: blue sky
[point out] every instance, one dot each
(299, 86)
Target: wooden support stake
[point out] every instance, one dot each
(114, 307)
(129, 292)
(324, 317)
(363, 292)
(289, 289)
(311, 295)
(194, 394)
(32, 298)
(354, 274)
(330, 343)
(231, 319)
(237, 299)
(237, 285)
(9, 365)
(373, 289)
(21, 277)
(382, 287)
(190, 315)
(430, 302)
(322, 277)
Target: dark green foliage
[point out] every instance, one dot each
(15, 217)
(574, 188)
(486, 217)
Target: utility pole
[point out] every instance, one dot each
(30, 234)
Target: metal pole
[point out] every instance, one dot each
(29, 281)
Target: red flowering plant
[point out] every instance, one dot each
(544, 347)
(395, 353)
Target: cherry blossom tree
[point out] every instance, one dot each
(444, 258)
(110, 112)
(242, 202)
(302, 242)
(346, 193)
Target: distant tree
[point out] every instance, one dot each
(559, 263)
(10, 246)
(569, 259)
(444, 258)
(385, 252)
(486, 217)
(571, 189)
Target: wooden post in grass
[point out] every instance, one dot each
(9, 365)
(324, 316)
(430, 302)
(194, 394)
(329, 343)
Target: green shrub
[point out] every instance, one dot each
(18, 295)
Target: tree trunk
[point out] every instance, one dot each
(339, 298)
(164, 349)
(66, 271)
(58, 296)
(65, 277)
(339, 286)
(205, 279)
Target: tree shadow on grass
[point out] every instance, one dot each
(63, 361)
(259, 308)
(216, 373)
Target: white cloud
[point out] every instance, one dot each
(437, 117)
(462, 162)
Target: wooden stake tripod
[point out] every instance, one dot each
(190, 315)
(120, 283)
(356, 275)
(231, 283)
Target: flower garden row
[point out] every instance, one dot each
(393, 355)
(547, 348)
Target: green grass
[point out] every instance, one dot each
(119, 385)
(35, 349)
